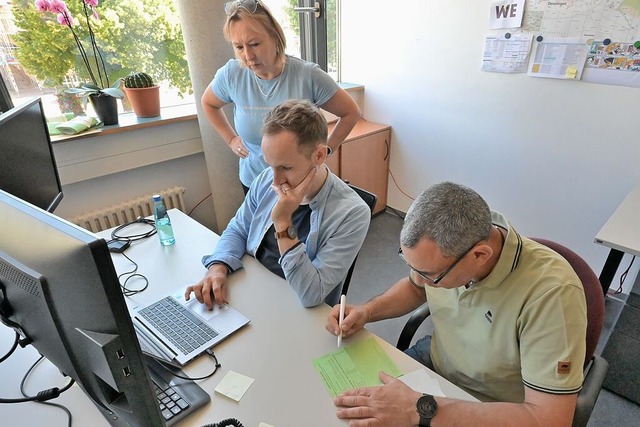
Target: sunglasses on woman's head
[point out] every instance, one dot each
(231, 8)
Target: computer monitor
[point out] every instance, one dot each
(60, 291)
(28, 167)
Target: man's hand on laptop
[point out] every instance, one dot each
(212, 288)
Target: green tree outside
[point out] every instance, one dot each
(132, 36)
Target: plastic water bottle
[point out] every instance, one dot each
(163, 222)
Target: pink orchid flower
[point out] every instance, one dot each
(42, 5)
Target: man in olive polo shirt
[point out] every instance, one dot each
(509, 319)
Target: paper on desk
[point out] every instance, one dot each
(421, 381)
(355, 365)
(234, 385)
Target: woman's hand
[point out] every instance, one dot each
(237, 146)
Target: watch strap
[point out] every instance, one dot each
(291, 232)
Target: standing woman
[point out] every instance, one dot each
(261, 77)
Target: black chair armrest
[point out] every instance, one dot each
(593, 378)
(412, 325)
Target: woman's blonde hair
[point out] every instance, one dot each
(263, 16)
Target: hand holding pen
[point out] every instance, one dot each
(343, 303)
(354, 317)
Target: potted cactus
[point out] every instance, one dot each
(143, 94)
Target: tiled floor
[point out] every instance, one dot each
(379, 266)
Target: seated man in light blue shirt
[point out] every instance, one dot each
(299, 220)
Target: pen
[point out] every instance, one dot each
(343, 302)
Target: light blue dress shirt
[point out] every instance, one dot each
(316, 268)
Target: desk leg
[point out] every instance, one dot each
(609, 269)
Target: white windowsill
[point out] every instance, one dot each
(131, 144)
(129, 121)
(136, 142)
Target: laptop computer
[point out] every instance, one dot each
(176, 331)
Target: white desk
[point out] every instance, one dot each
(621, 233)
(277, 348)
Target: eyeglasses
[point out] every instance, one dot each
(413, 272)
(231, 7)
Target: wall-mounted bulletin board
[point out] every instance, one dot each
(596, 41)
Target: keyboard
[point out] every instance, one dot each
(178, 324)
(170, 401)
(177, 397)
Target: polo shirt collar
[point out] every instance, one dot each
(509, 257)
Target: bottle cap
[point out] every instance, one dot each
(157, 198)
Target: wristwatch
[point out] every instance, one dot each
(427, 408)
(291, 233)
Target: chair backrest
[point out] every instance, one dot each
(592, 292)
(370, 199)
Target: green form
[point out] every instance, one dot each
(353, 366)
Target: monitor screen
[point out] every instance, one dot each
(59, 291)
(28, 167)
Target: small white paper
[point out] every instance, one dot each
(421, 381)
(506, 14)
(234, 385)
(264, 425)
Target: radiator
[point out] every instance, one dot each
(123, 213)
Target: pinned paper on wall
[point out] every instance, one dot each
(506, 14)
(507, 53)
(558, 59)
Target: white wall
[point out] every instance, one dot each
(557, 157)
(100, 171)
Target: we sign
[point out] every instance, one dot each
(506, 14)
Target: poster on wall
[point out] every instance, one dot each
(609, 29)
(615, 63)
(558, 59)
(507, 53)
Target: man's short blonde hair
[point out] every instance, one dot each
(301, 118)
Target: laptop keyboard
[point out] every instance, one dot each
(178, 324)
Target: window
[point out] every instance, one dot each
(38, 56)
(312, 31)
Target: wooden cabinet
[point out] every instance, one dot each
(363, 159)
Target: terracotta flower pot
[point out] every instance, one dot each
(145, 101)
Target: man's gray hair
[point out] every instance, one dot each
(454, 216)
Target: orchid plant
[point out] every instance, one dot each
(94, 63)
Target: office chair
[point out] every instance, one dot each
(370, 199)
(595, 367)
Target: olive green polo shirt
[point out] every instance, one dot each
(524, 324)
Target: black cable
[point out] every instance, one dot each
(43, 395)
(138, 236)
(13, 348)
(127, 292)
(57, 405)
(229, 422)
(623, 277)
(184, 377)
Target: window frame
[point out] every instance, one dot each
(313, 32)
